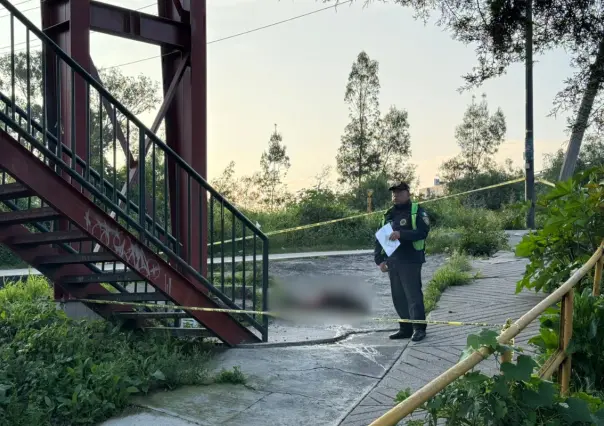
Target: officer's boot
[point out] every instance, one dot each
(419, 334)
(403, 333)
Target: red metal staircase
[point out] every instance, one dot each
(61, 210)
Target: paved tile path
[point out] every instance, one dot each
(350, 382)
(490, 299)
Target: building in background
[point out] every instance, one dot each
(436, 190)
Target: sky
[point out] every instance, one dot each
(294, 75)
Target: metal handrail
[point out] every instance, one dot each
(564, 292)
(48, 42)
(147, 226)
(89, 187)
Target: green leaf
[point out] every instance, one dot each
(520, 371)
(542, 398)
(500, 387)
(132, 389)
(593, 328)
(4, 388)
(473, 341)
(48, 402)
(158, 375)
(579, 410)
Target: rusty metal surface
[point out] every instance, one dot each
(135, 25)
(68, 201)
(186, 127)
(26, 216)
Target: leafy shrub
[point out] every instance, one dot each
(514, 397)
(443, 240)
(235, 376)
(478, 242)
(451, 213)
(454, 272)
(316, 206)
(492, 199)
(586, 343)
(58, 371)
(572, 233)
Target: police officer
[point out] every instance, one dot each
(411, 225)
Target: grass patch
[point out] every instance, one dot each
(59, 371)
(455, 272)
(234, 376)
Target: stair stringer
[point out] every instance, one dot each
(29, 254)
(82, 212)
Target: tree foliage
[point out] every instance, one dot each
(572, 233)
(394, 144)
(274, 164)
(479, 136)
(358, 155)
(591, 155)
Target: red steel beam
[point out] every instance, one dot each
(70, 121)
(29, 254)
(187, 135)
(91, 219)
(118, 21)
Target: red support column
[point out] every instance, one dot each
(199, 141)
(186, 132)
(68, 25)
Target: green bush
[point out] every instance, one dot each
(513, 397)
(478, 242)
(451, 213)
(58, 371)
(454, 272)
(572, 233)
(586, 343)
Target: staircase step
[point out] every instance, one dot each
(131, 297)
(21, 217)
(65, 259)
(181, 331)
(42, 238)
(101, 278)
(13, 191)
(151, 315)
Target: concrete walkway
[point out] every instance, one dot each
(352, 381)
(489, 299)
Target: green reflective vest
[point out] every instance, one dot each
(417, 245)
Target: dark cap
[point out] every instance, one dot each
(399, 186)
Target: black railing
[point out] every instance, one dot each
(141, 195)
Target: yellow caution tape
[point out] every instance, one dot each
(274, 314)
(361, 215)
(546, 182)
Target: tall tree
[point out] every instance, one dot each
(358, 155)
(226, 183)
(274, 164)
(496, 29)
(394, 144)
(479, 136)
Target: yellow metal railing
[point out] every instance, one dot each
(560, 360)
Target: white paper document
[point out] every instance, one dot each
(383, 236)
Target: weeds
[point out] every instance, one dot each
(455, 272)
(235, 376)
(58, 371)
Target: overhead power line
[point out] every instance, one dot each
(253, 30)
(239, 34)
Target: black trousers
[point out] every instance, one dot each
(407, 295)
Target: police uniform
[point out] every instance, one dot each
(405, 265)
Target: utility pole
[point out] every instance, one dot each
(529, 153)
